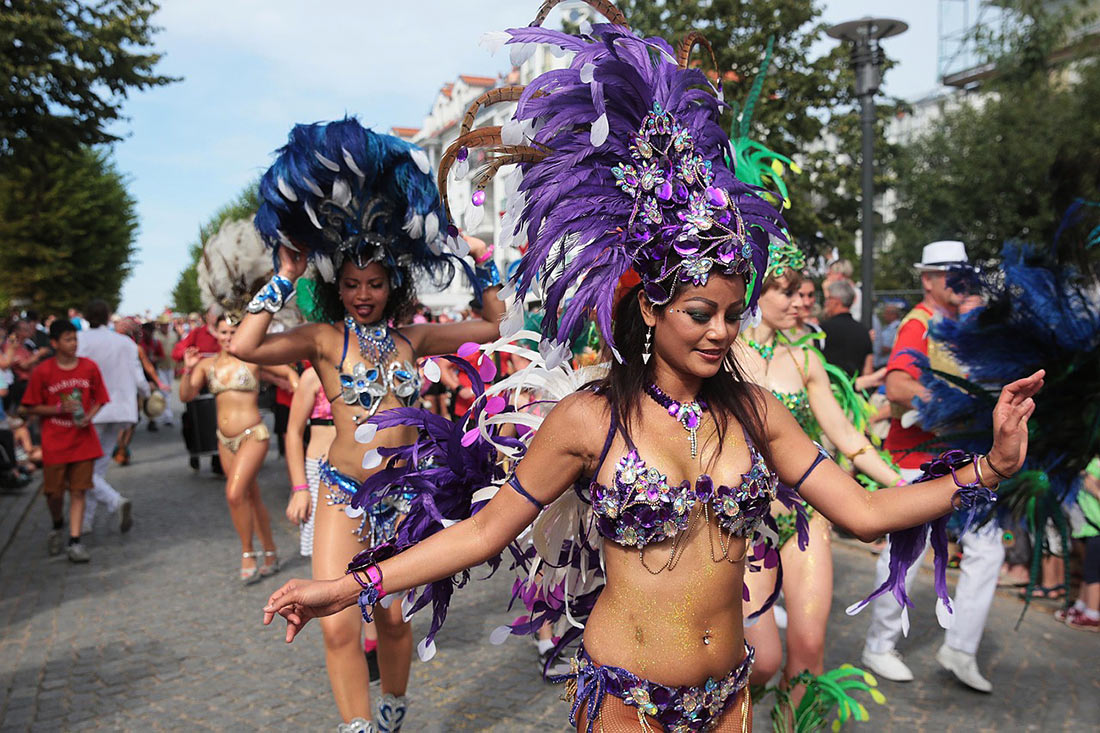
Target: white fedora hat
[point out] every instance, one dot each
(939, 256)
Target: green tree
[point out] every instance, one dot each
(69, 66)
(66, 230)
(805, 100)
(185, 296)
(1007, 161)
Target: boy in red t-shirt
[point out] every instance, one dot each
(66, 391)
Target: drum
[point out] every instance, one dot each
(200, 424)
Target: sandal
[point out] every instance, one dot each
(269, 569)
(250, 575)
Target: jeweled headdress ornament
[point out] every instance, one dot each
(623, 166)
(341, 191)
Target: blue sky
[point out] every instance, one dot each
(252, 69)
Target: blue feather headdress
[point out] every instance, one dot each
(624, 166)
(343, 192)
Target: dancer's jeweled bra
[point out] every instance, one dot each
(367, 386)
(641, 506)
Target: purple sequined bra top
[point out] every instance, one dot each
(642, 507)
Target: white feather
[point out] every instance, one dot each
(600, 129)
(350, 163)
(425, 651)
(511, 132)
(312, 186)
(588, 72)
(311, 214)
(493, 41)
(421, 159)
(414, 227)
(341, 193)
(284, 240)
(461, 246)
(325, 268)
(286, 190)
(432, 372)
(330, 164)
(431, 226)
(461, 169)
(474, 216)
(521, 52)
(499, 635)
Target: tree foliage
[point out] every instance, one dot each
(1007, 161)
(185, 296)
(70, 65)
(66, 230)
(805, 101)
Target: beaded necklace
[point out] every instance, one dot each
(375, 342)
(688, 413)
(766, 351)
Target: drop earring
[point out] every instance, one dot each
(648, 342)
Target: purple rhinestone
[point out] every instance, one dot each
(673, 408)
(664, 191)
(452, 230)
(478, 198)
(463, 153)
(717, 197)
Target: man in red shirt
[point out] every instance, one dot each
(910, 446)
(202, 339)
(66, 391)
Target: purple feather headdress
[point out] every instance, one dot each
(623, 165)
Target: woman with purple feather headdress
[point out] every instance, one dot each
(676, 456)
(364, 210)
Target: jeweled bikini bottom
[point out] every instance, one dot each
(379, 524)
(677, 709)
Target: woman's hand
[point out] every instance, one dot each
(874, 380)
(191, 358)
(291, 264)
(300, 600)
(297, 509)
(1014, 407)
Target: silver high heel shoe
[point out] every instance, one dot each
(267, 570)
(251, 575)
(357, 725)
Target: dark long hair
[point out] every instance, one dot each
(727, 393)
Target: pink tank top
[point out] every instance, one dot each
(322, 408)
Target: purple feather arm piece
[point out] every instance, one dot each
(907, 547)
(440, 475)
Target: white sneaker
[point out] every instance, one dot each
(887, 665)
(964, 666)
(125, 516)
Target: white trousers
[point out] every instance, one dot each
(166, 376)
(102, 492)
(983, 555)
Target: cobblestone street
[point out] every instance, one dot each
(156, 634)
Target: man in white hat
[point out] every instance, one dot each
(908, 443)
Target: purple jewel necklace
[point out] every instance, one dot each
(689, 414)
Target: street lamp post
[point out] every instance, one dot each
(867, 58)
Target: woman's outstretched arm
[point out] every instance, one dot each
(556, 458)
(870, 515)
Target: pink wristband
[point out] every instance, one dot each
(300, 487)
(487, 256)
(374, 575)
